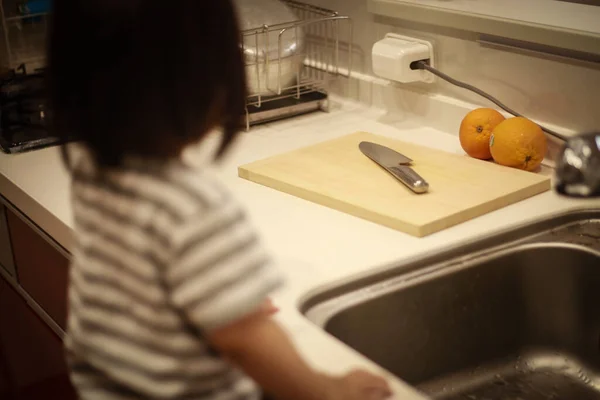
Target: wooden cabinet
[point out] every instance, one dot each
(33, 304)
(6, 255)
(32, 362)
(5, 379)
(42, 268)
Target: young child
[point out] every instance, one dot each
(169, 284)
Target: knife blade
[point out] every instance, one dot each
(396, 164)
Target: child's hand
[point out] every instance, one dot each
(268, 307)
(360, 385)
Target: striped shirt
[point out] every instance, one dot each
(163, 255)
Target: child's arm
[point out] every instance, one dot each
(260, 347)
(220, 277)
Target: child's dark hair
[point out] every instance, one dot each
(144, 77)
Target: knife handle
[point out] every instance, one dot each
(410, 178)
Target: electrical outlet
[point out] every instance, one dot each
(393, 56)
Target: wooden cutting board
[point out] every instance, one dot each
(337, 175)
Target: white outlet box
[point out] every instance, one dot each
(393, 55)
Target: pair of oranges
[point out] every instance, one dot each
(514, 142)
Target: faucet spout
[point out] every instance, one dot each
(578, 167)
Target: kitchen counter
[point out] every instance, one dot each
(315, 246)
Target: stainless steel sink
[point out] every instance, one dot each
(514, 316)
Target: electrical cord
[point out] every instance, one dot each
(424, 65)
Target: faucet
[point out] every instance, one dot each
(578, 166)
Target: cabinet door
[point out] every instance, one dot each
(43, 269)
(6, 255)
(32, 356)
(6, 388)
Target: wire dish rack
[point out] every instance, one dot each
(24, 26)
(290, 66)
(284, 81)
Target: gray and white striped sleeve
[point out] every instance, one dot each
(219, 272)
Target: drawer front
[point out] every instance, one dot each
(42, 268)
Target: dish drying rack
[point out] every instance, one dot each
(24, 27)
(321, 55)
(327, 35)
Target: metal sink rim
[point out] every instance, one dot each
(322, 312)
(501, 243)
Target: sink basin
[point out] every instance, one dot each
(519, 320)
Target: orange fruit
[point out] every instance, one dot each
(476, 129)
(519, 143)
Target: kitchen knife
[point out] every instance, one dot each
(396, 164)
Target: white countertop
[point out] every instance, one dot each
(315, 246)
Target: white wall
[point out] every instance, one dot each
(549, 89)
